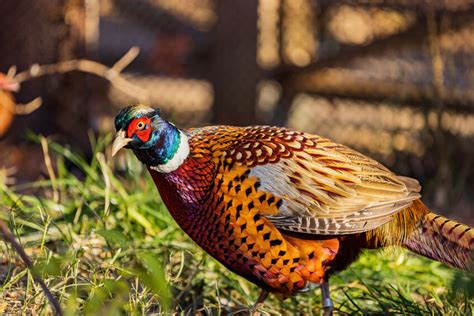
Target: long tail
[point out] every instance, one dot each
(444, 240)
(429, 235)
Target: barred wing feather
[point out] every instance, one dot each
(326, 188)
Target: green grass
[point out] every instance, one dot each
(103, 242)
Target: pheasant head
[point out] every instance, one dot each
(156, 142)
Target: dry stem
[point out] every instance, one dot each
(113, 75)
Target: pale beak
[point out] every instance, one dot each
(120, 142)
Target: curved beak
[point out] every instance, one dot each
(120, 142)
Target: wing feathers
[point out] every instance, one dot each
(330, 189)
(326, 188)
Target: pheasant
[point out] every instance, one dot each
(283, 208)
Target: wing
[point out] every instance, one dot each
(325, 188)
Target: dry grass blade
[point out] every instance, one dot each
(103, 166)
(49, 167)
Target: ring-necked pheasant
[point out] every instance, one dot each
(284, 208)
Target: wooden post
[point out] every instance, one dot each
(233, 68)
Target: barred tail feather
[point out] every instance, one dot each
(444, 240)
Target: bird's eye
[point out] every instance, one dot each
(140, 125)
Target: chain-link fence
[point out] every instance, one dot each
(391, 78)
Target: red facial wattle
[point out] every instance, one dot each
(142, 133)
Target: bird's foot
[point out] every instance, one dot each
(254, 309)
(259, 303)
(328, 307)
(251, 311)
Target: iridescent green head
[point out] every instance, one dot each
(155, 141)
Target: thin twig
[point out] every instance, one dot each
(126, 59)
(111, 74)
(28, 108)
(8, 236)
(11, 72)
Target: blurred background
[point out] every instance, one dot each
(390, 78)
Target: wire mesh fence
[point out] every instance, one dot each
(390, 78)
